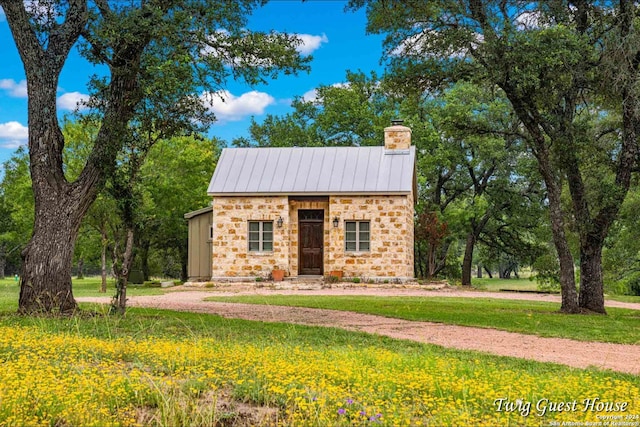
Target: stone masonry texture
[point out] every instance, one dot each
(391, 237)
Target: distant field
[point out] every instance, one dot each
(88, 287)
(497, 284)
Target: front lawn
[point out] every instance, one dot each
(537, 318)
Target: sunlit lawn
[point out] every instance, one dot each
(88, 287)
(539, 318)
(512, 284)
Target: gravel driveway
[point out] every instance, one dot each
(617, 357)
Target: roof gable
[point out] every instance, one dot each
(313, 170)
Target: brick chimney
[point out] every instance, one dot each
(397, 136)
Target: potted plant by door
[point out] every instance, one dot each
(336, 273)
(277, 274)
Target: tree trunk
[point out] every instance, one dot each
(45, 284)
(488, 273)
(144, 258)
(45, 281)
(467, 262)
(119, 303)
(184, 262)
(3, 260)
(538, 144)
(479, 273)
(591, 285)
(567, 272)
(103, 261)
(80, 268)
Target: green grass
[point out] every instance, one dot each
(537, 318)
(624, 298)
(496, 284)
(88, 287)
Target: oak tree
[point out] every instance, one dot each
(149, 50)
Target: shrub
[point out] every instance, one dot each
(331, 279)
(356, 280)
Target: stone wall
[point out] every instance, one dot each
(231, 256)
(397, 138)
(391, 237)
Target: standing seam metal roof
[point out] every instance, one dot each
(313, 170)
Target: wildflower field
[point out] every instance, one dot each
(165, 368)
(123, 372)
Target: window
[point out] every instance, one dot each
(356, 236)
(260, 236)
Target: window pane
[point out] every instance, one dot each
(364, 226)
(254, 246)
(267, 226)
(364, 237)
(364, 246)
(254, 226)
(254, 236)
(267, 236)
(267, 246)
(350, 226)
(350, 246)
(350, 236)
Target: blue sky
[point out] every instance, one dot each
(336, 39)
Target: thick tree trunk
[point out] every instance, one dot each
(45, 281)
(567, 272)
(467, 262)
(591, 285)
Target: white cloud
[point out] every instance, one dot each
(310, 43)
(529, 20)
(13, 135)
(15, 89)
(312, 95)
(228, 107)
(72, 100)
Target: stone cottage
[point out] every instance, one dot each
(312, 211)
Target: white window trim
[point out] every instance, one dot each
(357, 250)
(260, 240)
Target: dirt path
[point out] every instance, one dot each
(618, 357)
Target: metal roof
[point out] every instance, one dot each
(313, 170)
(190, 215)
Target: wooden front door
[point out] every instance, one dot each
(311, 242)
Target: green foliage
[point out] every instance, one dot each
(350, 114)
(547, 272)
